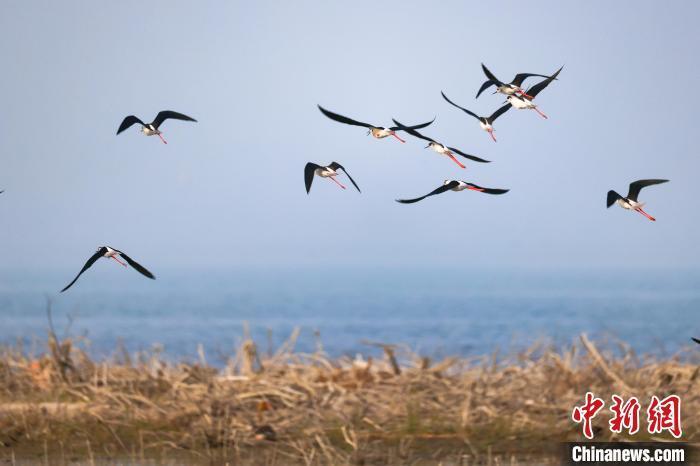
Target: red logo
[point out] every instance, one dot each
(587, 412)
(662, 415)
(625, 415)
(665, 415)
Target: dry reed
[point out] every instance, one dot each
(293, 408)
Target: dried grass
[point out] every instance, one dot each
(294, 408)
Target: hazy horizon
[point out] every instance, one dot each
(446, 311)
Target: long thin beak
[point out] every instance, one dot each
(426, 146)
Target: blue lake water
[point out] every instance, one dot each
(436, 311)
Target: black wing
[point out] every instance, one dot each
(696, 340)
(336, 166)
(461, 108)
(488, 190)
(491, 77)
(468, 156)
(499, 112)
(537, 88)
(520, 77)
(441, 189)
(139, 268)
(422, 125)
(484, 86)
(637, 186)
(411, 131)
(100, 252)
(309, 170)
(128, 121)
(612, 197)
(343, 119)
(166, 114)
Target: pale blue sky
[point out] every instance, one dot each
(229, 189)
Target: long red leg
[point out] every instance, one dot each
(639, 209)
(455, 160)
(541, 114)
(492, 136)
(336, 181)
(161, 138)
(393, 133)
(476, 189)
(524, 94)
(118, 261)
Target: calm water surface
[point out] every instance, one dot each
(436, 311)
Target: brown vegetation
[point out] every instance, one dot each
(292, 408)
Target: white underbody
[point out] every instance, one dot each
(508, 89)
(520, 103)
(485, 126)
(325, 172)
(149, 130)
(439, 148)
(629, 204)
(381, 133)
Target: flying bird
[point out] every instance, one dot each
(514, 87)
(331, 171)
(630, 201)
(525, 101)
(111, 253)
(441, 148)
(378, 132)
(455, 185)
(486, 123)
(152, 129)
